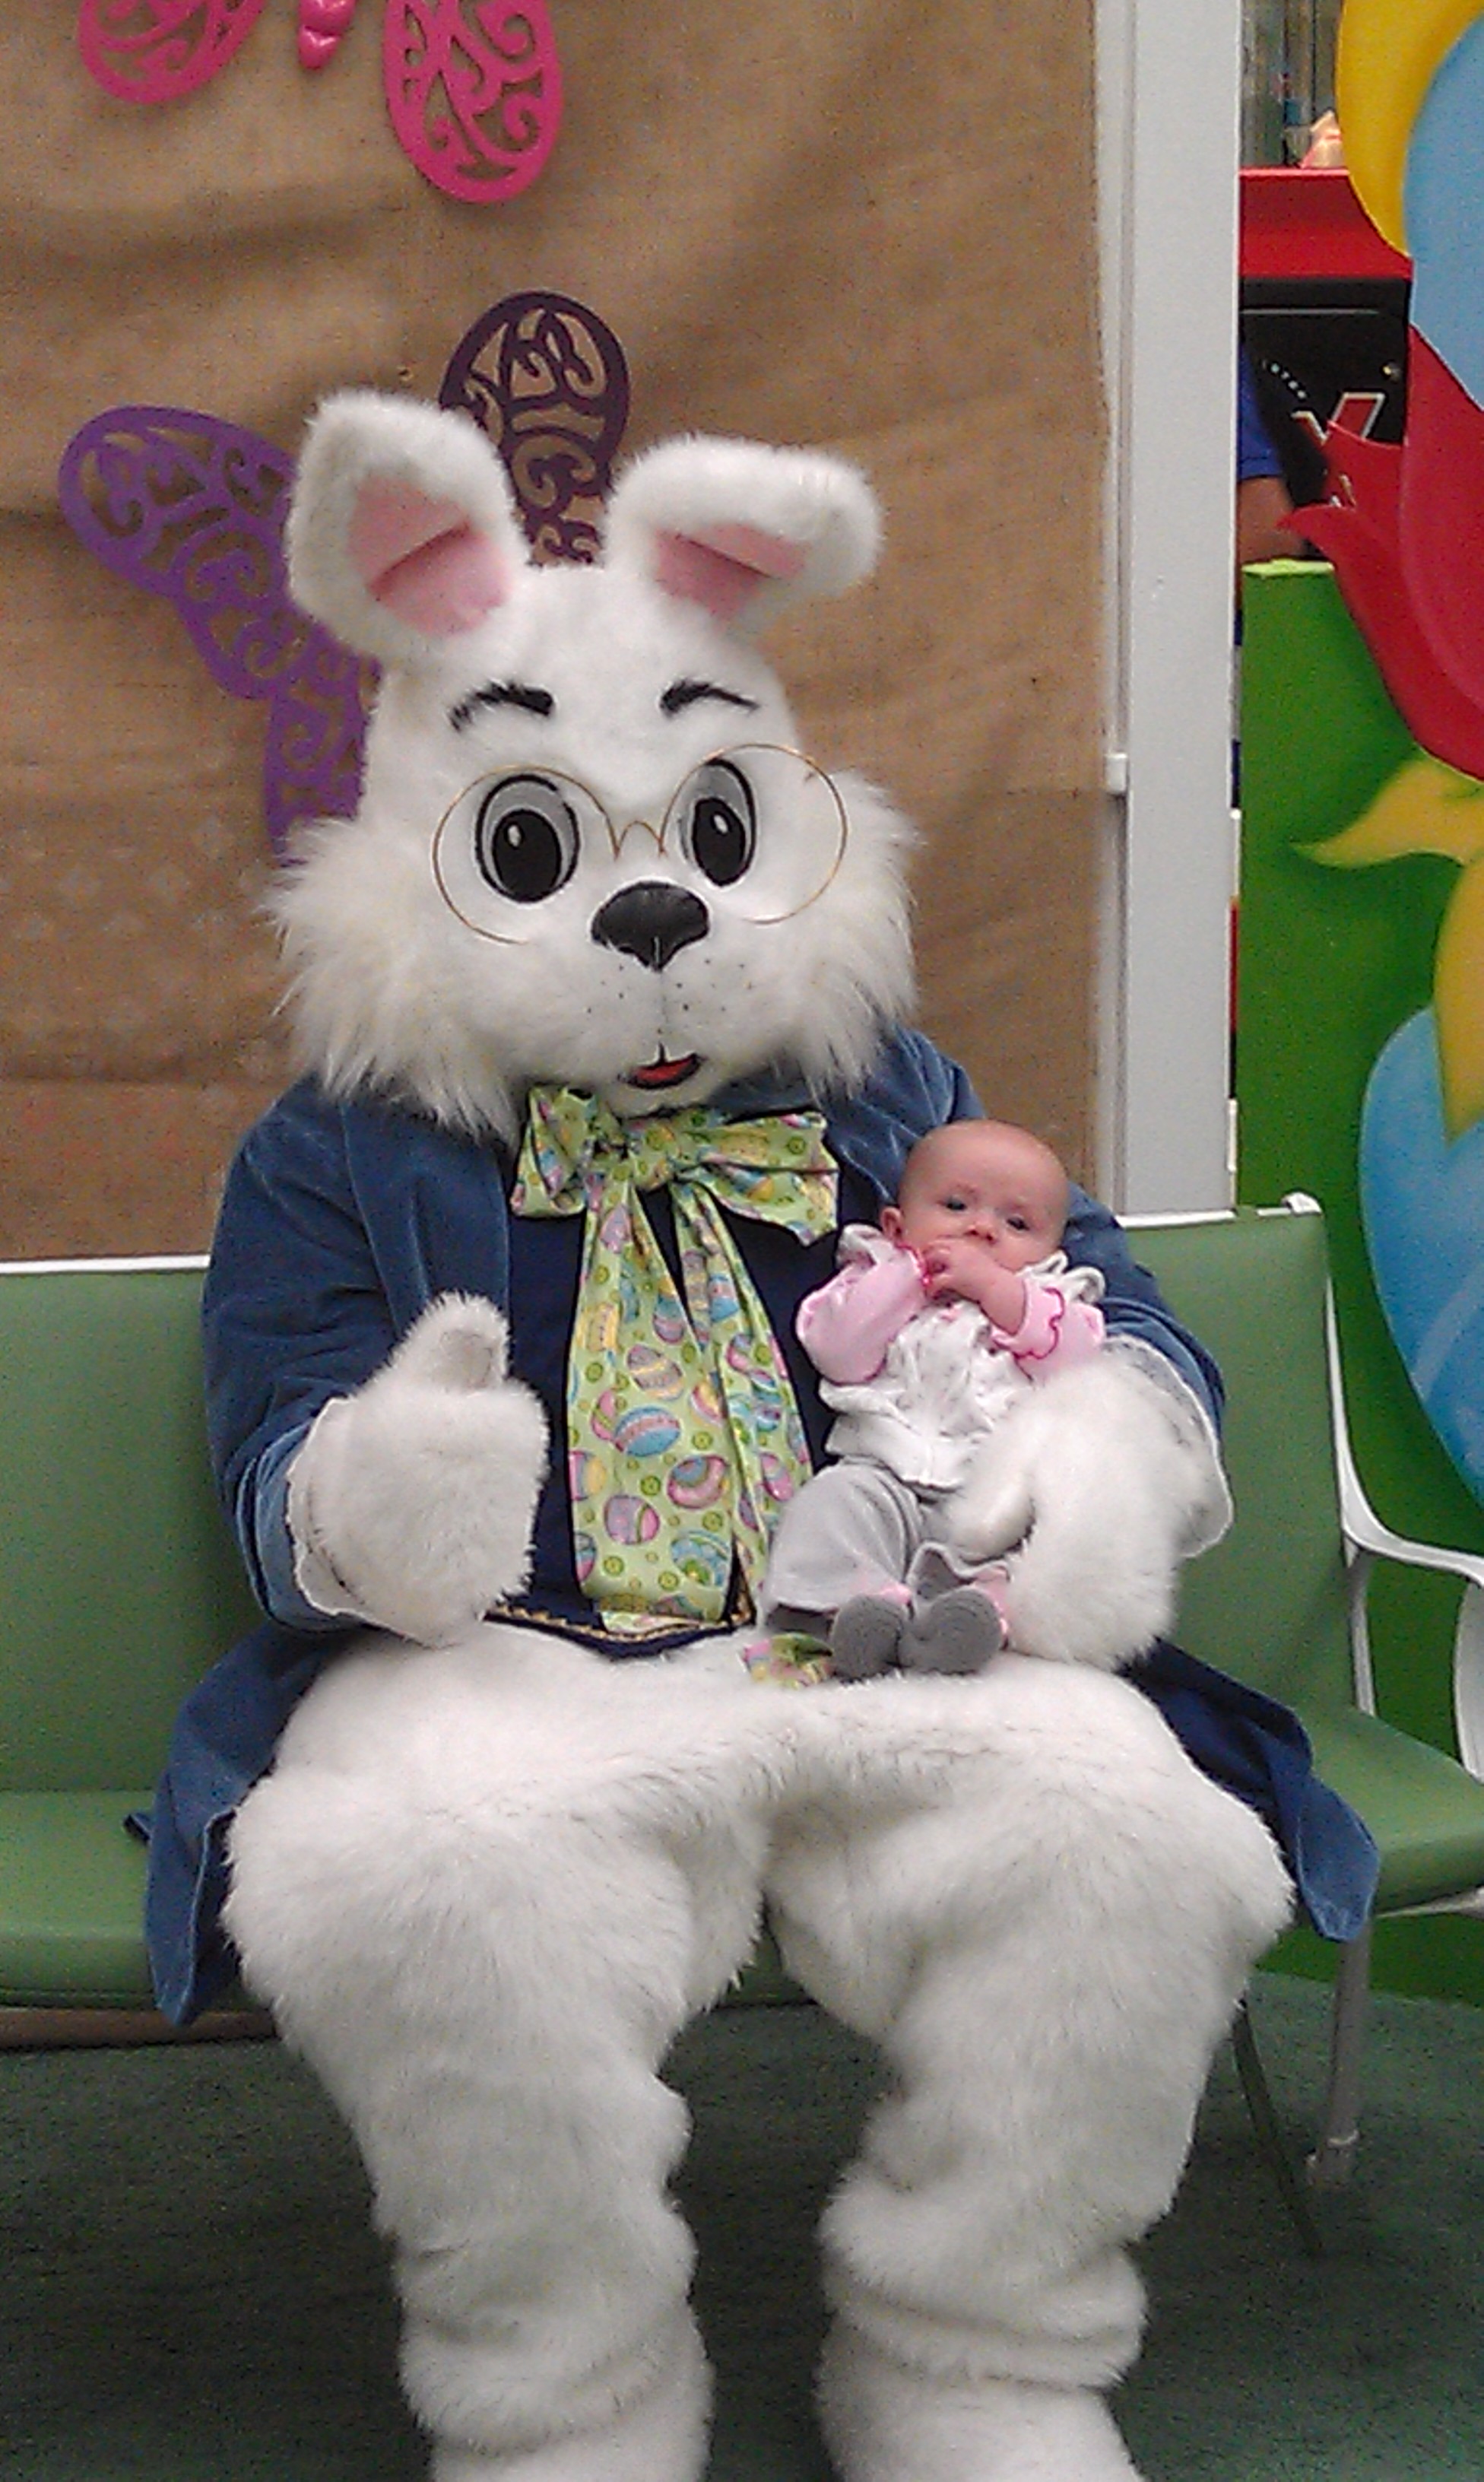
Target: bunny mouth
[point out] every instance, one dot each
(660, 1074)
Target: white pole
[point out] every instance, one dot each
(1169, 81)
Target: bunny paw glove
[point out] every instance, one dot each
(410, 1503)
(1103, 1481)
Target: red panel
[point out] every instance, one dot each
(1307, 224)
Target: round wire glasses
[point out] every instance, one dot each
(759, 825)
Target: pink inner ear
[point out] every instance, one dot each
(723, 568)
(423, 559)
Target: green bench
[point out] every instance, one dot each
(120, 1586)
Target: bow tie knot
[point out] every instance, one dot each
(576, 1149)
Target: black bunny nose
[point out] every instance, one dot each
(651, 921)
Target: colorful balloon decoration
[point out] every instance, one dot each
(1404, 527)
(1422, 1131)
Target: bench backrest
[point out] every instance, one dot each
(120, 1584)
(1268, 1604)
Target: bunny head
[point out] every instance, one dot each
(588, 850)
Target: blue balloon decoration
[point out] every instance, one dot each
(1423, 1209)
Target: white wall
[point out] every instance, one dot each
(1168, 109)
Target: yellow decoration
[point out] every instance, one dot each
(1458, 1003)
(1387, 54)
(1429, 808)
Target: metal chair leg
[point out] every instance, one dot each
(1264, 2120)
(1332, 2160)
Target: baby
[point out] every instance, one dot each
(929, 1331)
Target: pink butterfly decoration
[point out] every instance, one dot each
(192, 508)
(473, 87)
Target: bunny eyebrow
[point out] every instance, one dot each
(501, 693)
(684, 694)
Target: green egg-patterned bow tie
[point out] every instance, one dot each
(684, 1434)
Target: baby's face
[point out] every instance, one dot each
(981, 1181)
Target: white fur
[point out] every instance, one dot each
(483, 1889)
(687, 487)
(410, 1502)
(359, 438)
(488, 1879)
(658, 2436)
(883, 2422)
(1024, 1895)
(367, 937)
(486, 1886)
(1112, 1479)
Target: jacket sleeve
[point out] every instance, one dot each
(846, 1325)
(1133, 1306)
(294, 1313)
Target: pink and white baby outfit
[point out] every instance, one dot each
(916, 1385)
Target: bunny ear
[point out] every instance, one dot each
(742, 530)
(402, 533)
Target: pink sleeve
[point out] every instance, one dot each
(1054, 1334)
(846, 1325)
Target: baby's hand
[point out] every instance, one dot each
(967, 1269)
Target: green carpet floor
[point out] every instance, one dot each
(190, 2291)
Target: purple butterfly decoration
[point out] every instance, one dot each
(193, 508)
(549, 384)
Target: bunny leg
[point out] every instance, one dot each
(1020, 1887)
(482, 1889)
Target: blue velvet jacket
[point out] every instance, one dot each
(341, 1223)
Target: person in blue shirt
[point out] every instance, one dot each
(1263, 504)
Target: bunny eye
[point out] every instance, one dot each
(526, 838)
(717, 828)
